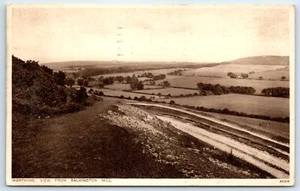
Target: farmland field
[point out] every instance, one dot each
(120, 86)
(269, 106)
(171, 91)
(258, 85)
(125, 94)
(273, 74)
(266, 127)
(222, 69)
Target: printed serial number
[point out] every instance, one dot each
(284, 181)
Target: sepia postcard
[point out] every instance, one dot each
(150, 95)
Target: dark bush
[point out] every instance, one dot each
(47, 69)
(81, 95)
(172, 102)
(91, 91)
(142, 98)
(60, 78)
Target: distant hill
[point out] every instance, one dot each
(259, 60)
(113, 64)
(262, 60)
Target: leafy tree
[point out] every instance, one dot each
(91, 91)
(172, 102)
(244, 75)
(134, 79)
(60, 78)
(80, 81)
(142, 98)
(47, 69)
(219, 90)
(232, 75)
(159, 77)
(120, 79)
(69, 82)
(81, 95)
(136, 85)
(166, 84)
(100, 79)
(128, 79)
(101, 85)
(86, 83)
(109, 80)
(276, 92)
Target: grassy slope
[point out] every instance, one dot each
(273, 74)
(80, 145)
(267, 60)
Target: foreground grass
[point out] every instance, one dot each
(80, 145)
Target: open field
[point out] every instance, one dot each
(273, 74)
(269, 106)
(124, 93)
(258, 85)
(273, 129)
(223, 69)
(171, 91)
(120, 86)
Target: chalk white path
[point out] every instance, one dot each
(245, 152)
(214, 120)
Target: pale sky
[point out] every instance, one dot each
(178, 33)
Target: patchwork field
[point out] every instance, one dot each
(171, 91)
(269, 106)
(223, 69)
(258, 85)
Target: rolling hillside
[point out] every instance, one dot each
(262, 60)
(37, 90)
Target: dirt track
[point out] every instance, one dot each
(247, 153)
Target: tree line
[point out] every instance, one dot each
(276, 92)
(233, 75)
(206, 89)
